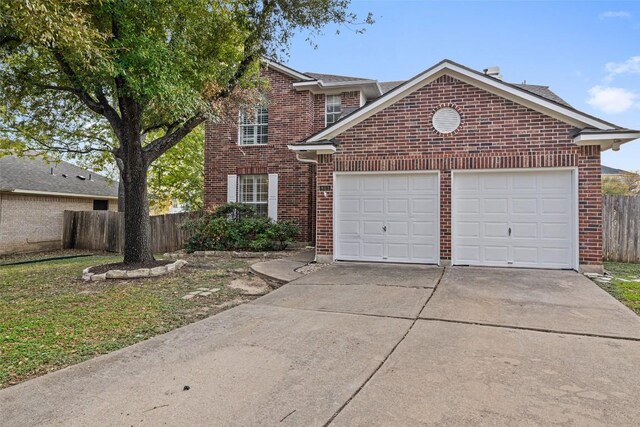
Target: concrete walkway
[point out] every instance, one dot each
(365, 344)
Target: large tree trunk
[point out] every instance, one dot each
(137, 227)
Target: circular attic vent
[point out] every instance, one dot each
(446, 120)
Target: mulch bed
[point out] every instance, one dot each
(99, 269)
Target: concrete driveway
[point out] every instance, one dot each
(364, 344)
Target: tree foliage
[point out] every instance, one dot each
(132, 78)
(178, 176)
(627, 184)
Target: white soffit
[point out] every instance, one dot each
(489, 84)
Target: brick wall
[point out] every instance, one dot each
(33, 223)
(495, 133)
(293, 116)
(290, 121)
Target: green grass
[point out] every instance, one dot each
(627, 290)
(50, 318)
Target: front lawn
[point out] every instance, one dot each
(625, 284)
(50, 318)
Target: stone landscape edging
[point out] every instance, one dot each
(162, 270)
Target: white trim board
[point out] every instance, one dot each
(481, 81)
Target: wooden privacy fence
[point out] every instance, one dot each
(104, 231)
(621, 228)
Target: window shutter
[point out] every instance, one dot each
(232, 188)
(272, 206)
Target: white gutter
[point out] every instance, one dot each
(317, 148)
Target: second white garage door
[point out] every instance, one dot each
(519, 219)
(386, 217)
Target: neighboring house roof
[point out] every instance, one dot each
(33, 175)
(606, 170)
(607, 135)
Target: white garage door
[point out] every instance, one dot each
(519, 219)
(387, 217)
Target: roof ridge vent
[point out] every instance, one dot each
(493, 72)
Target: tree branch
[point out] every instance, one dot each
(100, 106)
(159, 146)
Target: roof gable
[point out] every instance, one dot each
(525, 97)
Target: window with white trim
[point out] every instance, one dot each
(333, 109)
(253, 126)
(254, 190)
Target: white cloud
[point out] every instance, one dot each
(630, 66)
(612, 100)
(615, 14)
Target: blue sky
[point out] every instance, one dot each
(588, 52)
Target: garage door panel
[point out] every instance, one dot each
(558, 181)
(424, 184)
(495, 230)
(525, 182)
(349, 206)
(397, 229)
(468, 229)
(397, 206)
(396, 215)
(423, 252)
(495, 205)
(555, 231)
(524, 230)
(539, 211)
(372, 206)
(372, 250)
(468, 206)
(525, 254)
(495, 254)
(425, 229)
(372, 228)
(525, 205)
(555, 206)
(398, 183)
(397, 251)
(350, 227)
(373, 184)
(494, 182)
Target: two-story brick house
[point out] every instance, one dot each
(453, 165)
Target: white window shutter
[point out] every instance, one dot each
(232, 188)
(272, 206)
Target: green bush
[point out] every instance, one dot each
(236, 226)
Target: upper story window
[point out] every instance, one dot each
(253, 126)
(333, 109)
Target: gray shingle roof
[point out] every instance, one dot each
(331, 78)
(34, 174)
(387, 86)
(542, 91)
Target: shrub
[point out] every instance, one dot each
(236, 226)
